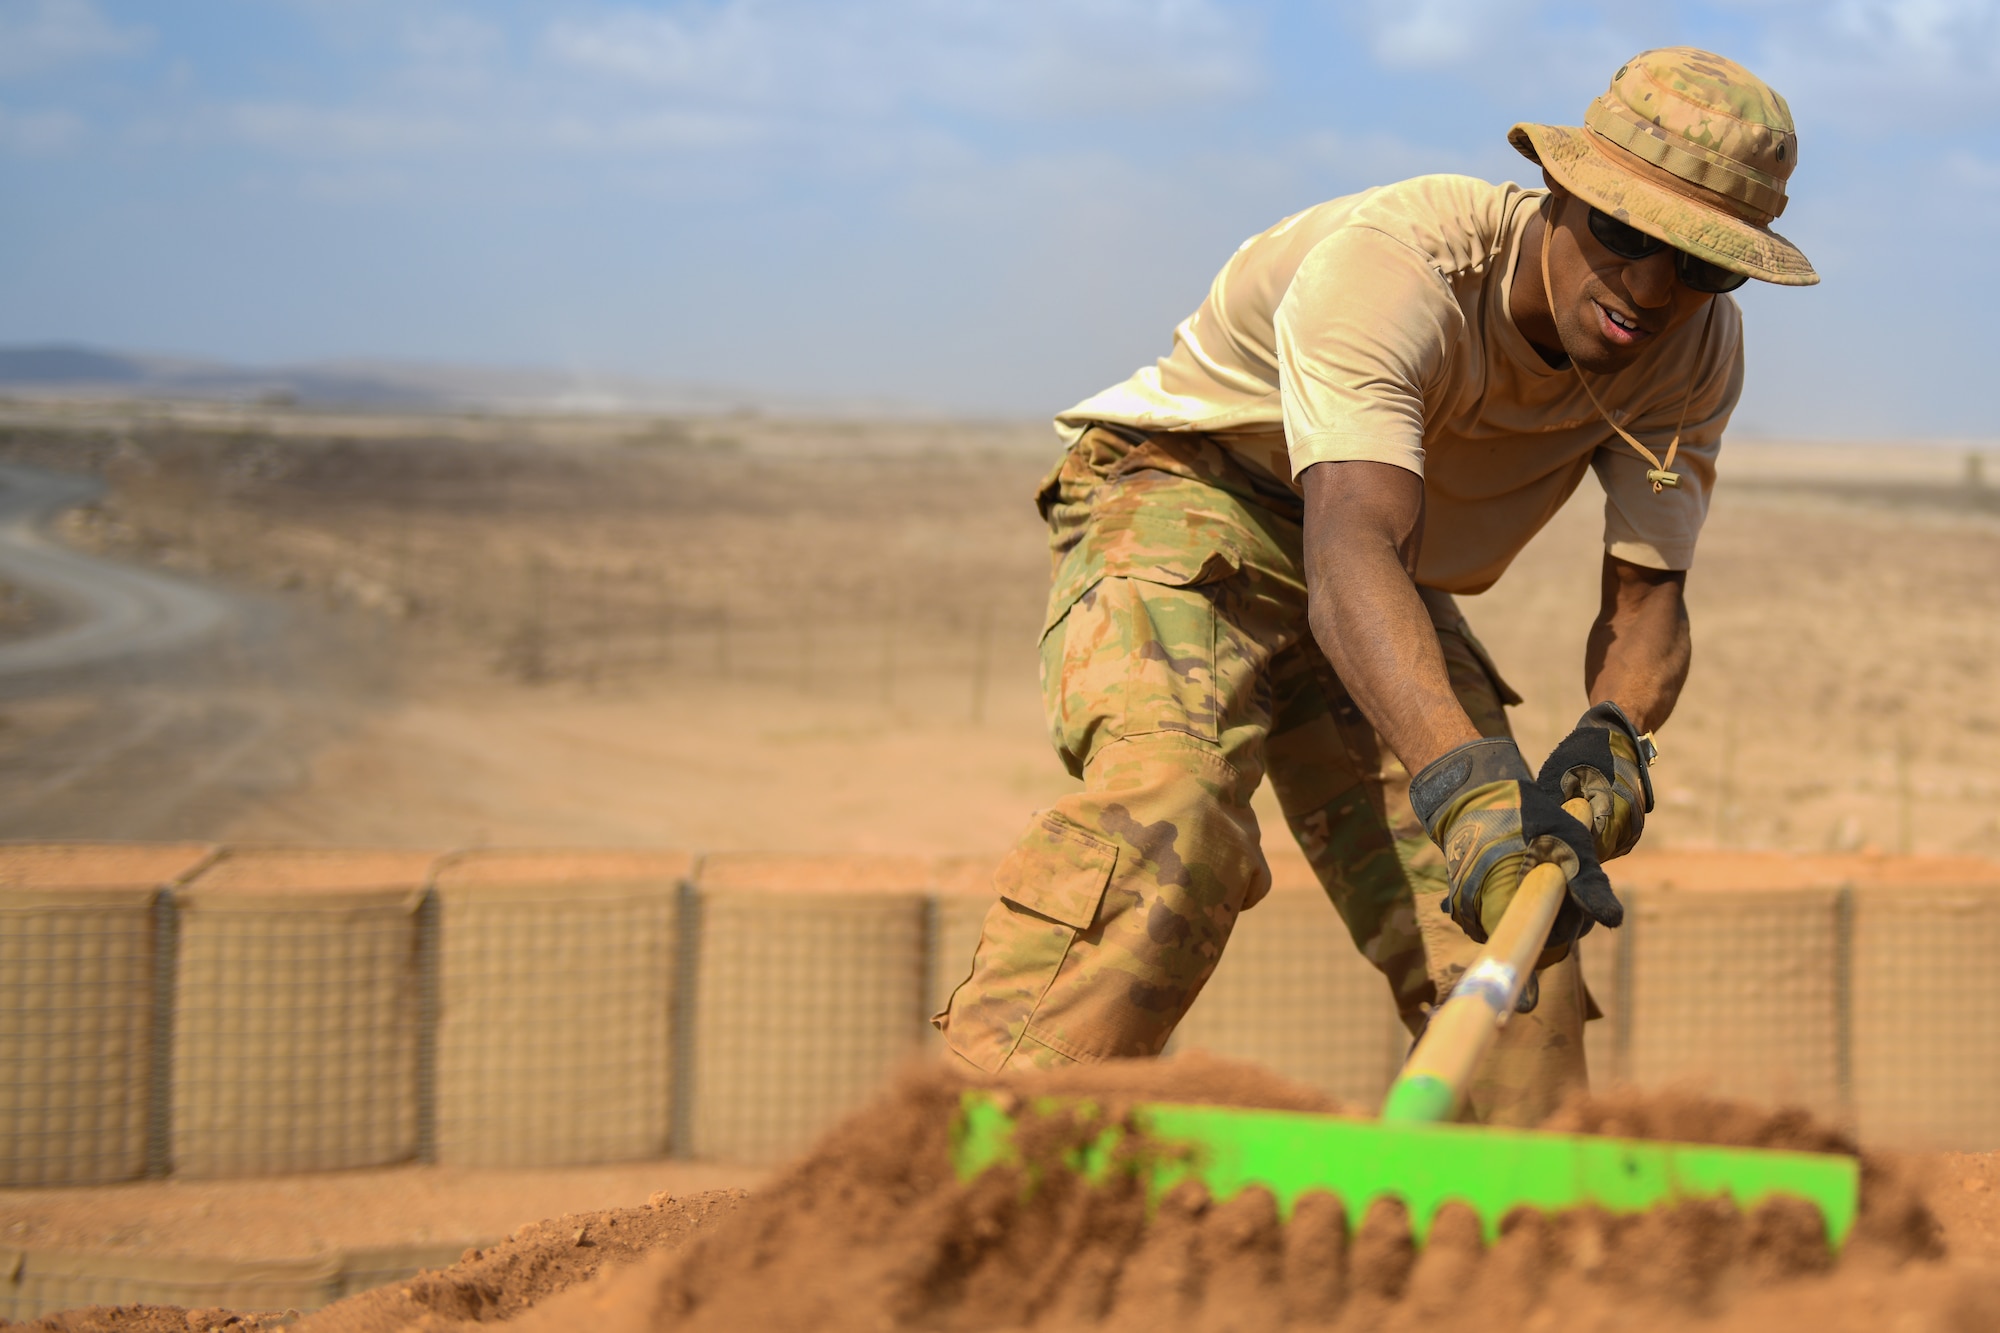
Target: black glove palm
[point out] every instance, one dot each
(1604, 762)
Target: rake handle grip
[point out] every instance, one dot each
(1461, 1031)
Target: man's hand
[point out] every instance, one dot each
(1603, 762)
(1495, 823)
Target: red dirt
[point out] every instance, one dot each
(484, 1286)
(871, 1231)
(314, 1215)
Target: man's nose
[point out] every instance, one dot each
(1650, 281)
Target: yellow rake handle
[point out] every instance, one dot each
(1461, 1031)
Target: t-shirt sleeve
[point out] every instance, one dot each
(1363, 333)
(1659, 530)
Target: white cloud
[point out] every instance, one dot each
(651, 131)
(1873, 65)
(1973, 171)
(1898, 64)
(871, 88)
(319, 131)
(1004, 57)
(1517, 51)
(38, 133)
(725, 52)
(1377, 157)
(1422, 34)
(450, 38)
(448, 53)
(1936, 28)
(658, 48)
(37, 36)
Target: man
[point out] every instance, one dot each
(1256, 545)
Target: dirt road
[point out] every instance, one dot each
(102, 610)
(139, 704)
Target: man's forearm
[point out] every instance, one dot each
(1364, 525)
(1640, 647)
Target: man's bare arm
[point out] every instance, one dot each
(1364, 524)
(1640, 647)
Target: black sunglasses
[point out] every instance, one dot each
(1628, 242)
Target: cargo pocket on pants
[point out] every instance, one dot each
(1051, 887)
(1131, 657)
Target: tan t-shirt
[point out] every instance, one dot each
(1376, 326)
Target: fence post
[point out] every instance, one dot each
(1843, 1004)
(429, 961)
(930, 948)
(160, 1088)
(681, 1023)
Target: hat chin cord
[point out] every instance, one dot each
(1659, 470)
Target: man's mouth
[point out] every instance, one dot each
(1618, 329)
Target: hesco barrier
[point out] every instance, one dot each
(1293, 993)
(254, 1011)
(43, 1282)
(807, 991)
(1926, 1008)
(557, 978)
(84, 944)
(297, 1012)
(1742, 986)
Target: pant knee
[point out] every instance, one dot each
(1114, 907)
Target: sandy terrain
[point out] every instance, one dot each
(797, 636)
(750, 634)
(297, 1217)
(622, 612)
(872, 1230)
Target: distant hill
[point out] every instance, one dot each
(70, 371)
(68, 365)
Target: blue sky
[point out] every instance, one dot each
(992, 206)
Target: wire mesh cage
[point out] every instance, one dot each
(1600, 959)
(1925, 1010)
(809, 993)
(290, 1011)
(81, 992)
(1739, 992)
(44, 1283)
(298, 1012)
(557, 979)
(1293, 993)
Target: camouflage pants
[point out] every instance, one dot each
(1177, 668)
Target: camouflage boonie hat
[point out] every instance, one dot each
(1690, 148)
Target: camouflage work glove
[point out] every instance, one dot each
(1483, 808)
(1604, 762)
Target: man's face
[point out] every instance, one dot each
(1610, 310)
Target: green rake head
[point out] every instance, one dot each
(1492, 1171)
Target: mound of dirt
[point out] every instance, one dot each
(872, 1231)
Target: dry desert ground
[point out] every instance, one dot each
(775, 634)
(772, 634)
